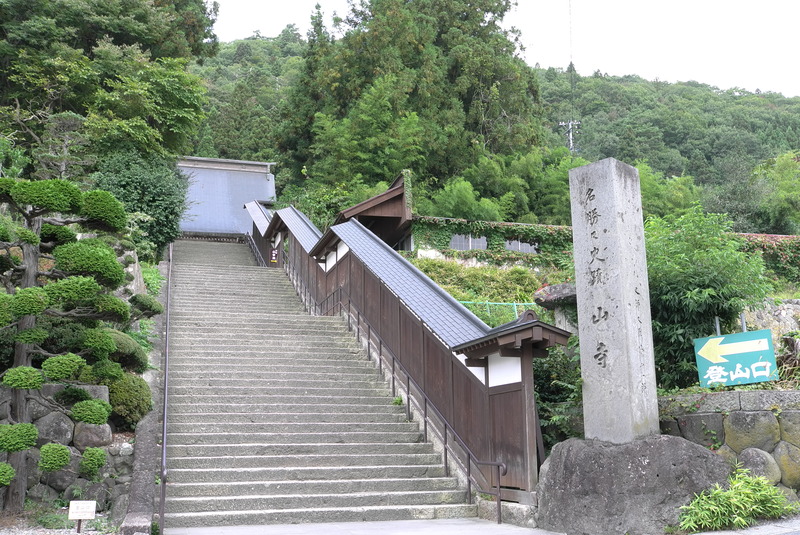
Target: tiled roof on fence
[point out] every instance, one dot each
(448, 318)
(306, 233)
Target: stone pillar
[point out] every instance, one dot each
(620, 403)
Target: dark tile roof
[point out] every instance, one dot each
(448, 318)
(300, 226)
(261, 215)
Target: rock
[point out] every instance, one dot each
(125, 449)
(761, 463)
(788, 458)
(790, 494)
(55, 427)
(61, 479)
(728, 454)
(593, 487)
(556, 296)
(670, 427)
(42, 493)
(119, 509)
(36, 410)
(790, 427)
(752, 429)
(32, 467)
(704, 429)
(91, 435)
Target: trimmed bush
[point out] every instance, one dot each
(92, 461)
(131, 399)
(145, 305)
(35, 335)
(56, 195)
(104, 372)
(99, 342)
(129, 354)
(92, 411)
(23, 377)
(29, 301)
(62, 366)
(58, 234)
(73, 291)
(71, 395)
(104, 211)
(93, 258)
(17, 437)
(7, 474)
(113, 308)
(53, 457)
(6, 316)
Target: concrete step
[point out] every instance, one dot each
(246, 488)
(280, 418)
(320, 515)
(364, 448)
(298, 380)
(296, 501)
(378, 398)
(248, 407)
(300, 473)
(291, 438)
(264, 461)
(334, 428)
(255, 367)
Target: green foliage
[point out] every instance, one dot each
(128, 353)
(54, 195)
(321, 202)
(23, 377)
(697, 270)
(103, 211)
(91, 411)
(31, 336)
(93, 258)
(111, 308)
(152, 279)
(745, 500)
(63, 367)
(53, 457)
(6, 301)
(57, 234)
(7, 474)
(781, 254)
(152, 185)
(73, 291)
(92, 461)
(458, 199)
(29, 301)
(145, 306)
(131, 399)
(557, 379)
(100, 342)
(17, 437)
(71, 395)
(102, 372)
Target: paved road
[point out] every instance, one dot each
(460, 526)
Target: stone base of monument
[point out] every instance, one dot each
(588, 487)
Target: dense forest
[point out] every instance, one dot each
(401, 87)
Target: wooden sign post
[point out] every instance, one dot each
(82, 510)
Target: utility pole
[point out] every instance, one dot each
(571, 131)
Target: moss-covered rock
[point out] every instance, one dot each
(752, 429)
(787, 456)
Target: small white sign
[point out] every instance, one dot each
(82, 510)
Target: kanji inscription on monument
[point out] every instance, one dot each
(619, 384)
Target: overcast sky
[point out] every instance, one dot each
(726, 43)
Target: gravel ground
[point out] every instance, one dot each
(24, 526)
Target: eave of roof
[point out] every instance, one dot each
(306, 233)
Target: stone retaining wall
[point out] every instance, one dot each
(759, 429)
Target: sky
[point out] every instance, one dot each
(724, 43)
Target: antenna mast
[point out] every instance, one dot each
(572, 126)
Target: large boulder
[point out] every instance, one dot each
(752, 429)
(91, 435)
(761, 463)
(593, 487)
(55, 427)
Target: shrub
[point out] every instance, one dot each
(17, 437)
(745, 500)
(696, 270)
(131, 399)
(23, 377)
(7, 474)
(55, 195)
(129, 354)
(113, 308)
(73, 291)
(92, 411)
(35, 335)
(99, 342)
(104, 211)
(29, 301)
(62, 366)
(145, 306)
(53, 457)
(93, 258)
(71, 395)
(58, 234)
(152, 279)
(92, 461)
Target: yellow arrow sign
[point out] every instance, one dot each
(713, 350)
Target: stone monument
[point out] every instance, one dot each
(625, 477)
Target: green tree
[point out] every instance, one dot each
(47, 277)
(697, 271)
(779, 210)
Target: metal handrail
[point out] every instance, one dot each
(500, 467)
(165, 400)
(254, 248)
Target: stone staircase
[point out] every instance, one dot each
(275, 416)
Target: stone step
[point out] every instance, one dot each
(320, 515)
(295, 473)
(334, 428)
(305, 461)
(364, 448)
(255, 367)
(224, 358)
(243, 386)
(354, 437)
(336, 486)
(308, 337)
(376, 405)
(300, 380)
(287, 418)
(297, 501)
(289, 396)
